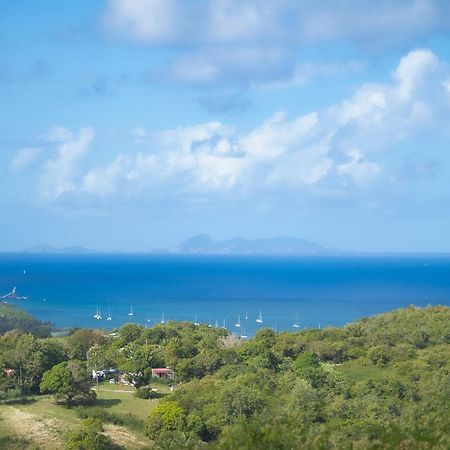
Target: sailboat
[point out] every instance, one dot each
(97, 314)
(109, 315)
(296, 324)
(246, 316)
(162, 319)
(216, 325)
(224, 325)
(195, 320)
(238, 324)
(209, 323)
(259, 319)
(131, 311)
(243, 335)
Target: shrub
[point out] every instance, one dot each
(167, 416)
(89, 437)
(146, 392)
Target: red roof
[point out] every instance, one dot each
(161, 370)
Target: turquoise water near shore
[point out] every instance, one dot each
(67, 289)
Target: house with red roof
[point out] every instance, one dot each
(163, 373)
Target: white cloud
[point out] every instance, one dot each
(332, 148)
(104, 181)
(357, 168)
(155, 21)
(59, 173)
(287, 21)
(24, 157)
(306, 72)
(218, 41)
(139, 134)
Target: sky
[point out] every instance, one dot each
(134, 124)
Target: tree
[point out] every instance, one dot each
(69, 381)
(27, 358)
(138, 360)
(89, 436)
(13, 318)
(82, 340)
(167, 416)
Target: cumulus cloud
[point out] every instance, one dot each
(24, 157)
(59, 175)
(177, 21)
(337, 147)
(357, 168)
(242, 41)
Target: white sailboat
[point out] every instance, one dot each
(97, 314)
(109, 315)
(243, 335)
(163, 321)
(216, 325)
(238, 323)
(209, 323)
(224, 324)
(131, 311)
(246, 316)
(296, 324)
(195, 320)
(259, 319)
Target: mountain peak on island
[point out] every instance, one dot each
(44, 248)
(203, 244)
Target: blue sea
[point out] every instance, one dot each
(67, 289)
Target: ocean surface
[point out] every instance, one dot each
(320, 291)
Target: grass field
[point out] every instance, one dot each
(358, 372)
(40, 423)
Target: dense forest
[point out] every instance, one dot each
(379, 383)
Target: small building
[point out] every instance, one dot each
(162, 373)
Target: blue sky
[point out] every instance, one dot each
(133, 124)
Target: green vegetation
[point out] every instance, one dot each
(14, 318)
(379, 383)
(89, 436)
(68, 381)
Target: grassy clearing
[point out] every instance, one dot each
(27, 431)
(40, 423)
(358, 372)
(125, 403)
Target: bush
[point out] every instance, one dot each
(89, 437)
(146, 392)
(167, 416)
(97, 412)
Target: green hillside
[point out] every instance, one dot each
(378, 383)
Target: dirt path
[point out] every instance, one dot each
(43, 432)
(113, 390)
(121, 436)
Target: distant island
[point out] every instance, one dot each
(48, 249)
(203, 244)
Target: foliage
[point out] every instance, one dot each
(102, 414)
(167, 416)
(12, 318)
(25, 359)
(89, 436)
(69, 381)
(379, 383)
(79, 343)
(146, 392)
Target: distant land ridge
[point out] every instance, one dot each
(46, 248)
(204, 244)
